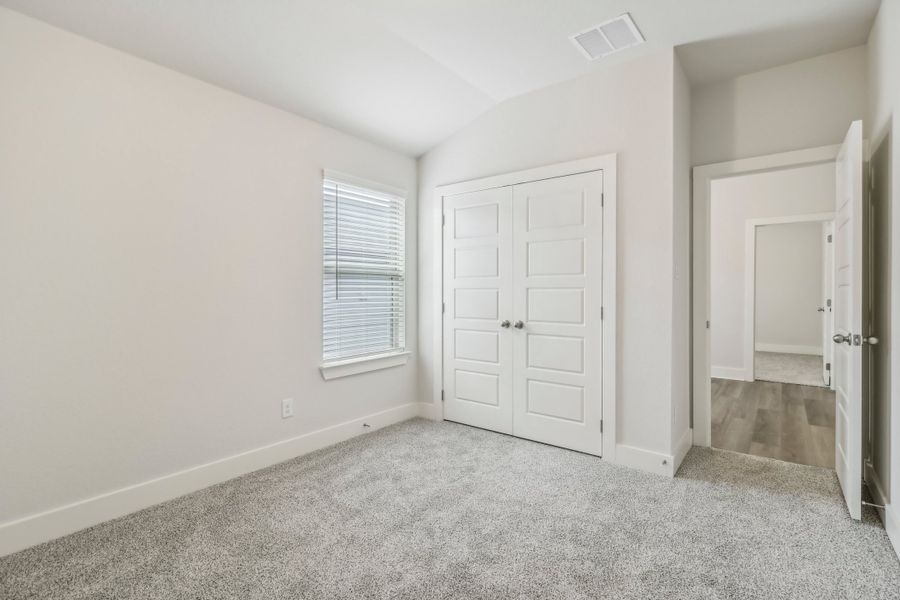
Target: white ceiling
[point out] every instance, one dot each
(408, 73)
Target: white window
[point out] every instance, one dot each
(364, 282)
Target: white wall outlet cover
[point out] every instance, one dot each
(287, 408)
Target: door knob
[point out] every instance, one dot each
(519, 325)
(840, 339)
(820, 309)
(871, 340)
(505, 324)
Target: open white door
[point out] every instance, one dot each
(848, 304)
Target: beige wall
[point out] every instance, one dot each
(572, 120)
(883, 126)
(800, 105)
(160, 264)
(681, 248)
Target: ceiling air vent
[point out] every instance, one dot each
(606, 38)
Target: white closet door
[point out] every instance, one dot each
(478, 298)
(557, 279)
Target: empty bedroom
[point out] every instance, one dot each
(449, 299)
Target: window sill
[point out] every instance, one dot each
(363, 364)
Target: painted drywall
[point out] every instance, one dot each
(733, 201)
(789, 288)
(624, 109)
(882, 127)
(160, 253)
(681, 248)
(801, 105)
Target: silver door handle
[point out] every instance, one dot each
(505, 324)
(820, 309)
(871, 340)
(840, 339)
(519, 325)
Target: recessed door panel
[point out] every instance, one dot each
(476, 303)
(478, 387)
(555, 210)
(556, 257)
(557, 353)
(556, 400)
(550, 305)
(477, 221)
(481, 261)
(482, 346)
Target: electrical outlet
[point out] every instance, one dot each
(287, 408)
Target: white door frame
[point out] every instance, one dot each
(700, 292)
(605, 163)
(750, 279)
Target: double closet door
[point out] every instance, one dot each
(522, 310)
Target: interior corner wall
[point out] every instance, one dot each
(681, 267)
(160, 253)
(800, 105)
(881, 124)
(625, 109)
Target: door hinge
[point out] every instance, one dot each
(442, 395)
(707, 324)
(443, 307)
(443, 220)
(830, 237)
(827, 366)
(602, 199)
(601, 425)
(601, 313)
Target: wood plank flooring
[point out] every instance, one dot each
(794, 423)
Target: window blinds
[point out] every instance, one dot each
(364, 283)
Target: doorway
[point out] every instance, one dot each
(765, 222)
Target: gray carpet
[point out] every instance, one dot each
(436, 510)
(801, 369)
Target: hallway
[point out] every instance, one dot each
(794, 423)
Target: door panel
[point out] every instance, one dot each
(848, 303)
(557, 277)
(478, 296)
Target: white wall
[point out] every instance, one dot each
(161, 267)
(789, 287)
(883, 122)
(626, 109)
(681, 247)
(801, 105)
(733, 201)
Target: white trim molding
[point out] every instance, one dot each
(606, 163)
(788, 349)
(645, 460)
(363, 364)
(889, 514)
(681, 449)
(703, 178)
(735, 373)
(42, 527)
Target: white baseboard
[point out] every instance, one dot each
(645, 460)
(789, 349)
(430, 410)
(38, 528)
(681, 449)
(738, 373)
(889, 516)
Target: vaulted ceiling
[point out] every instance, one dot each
(408, 73)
